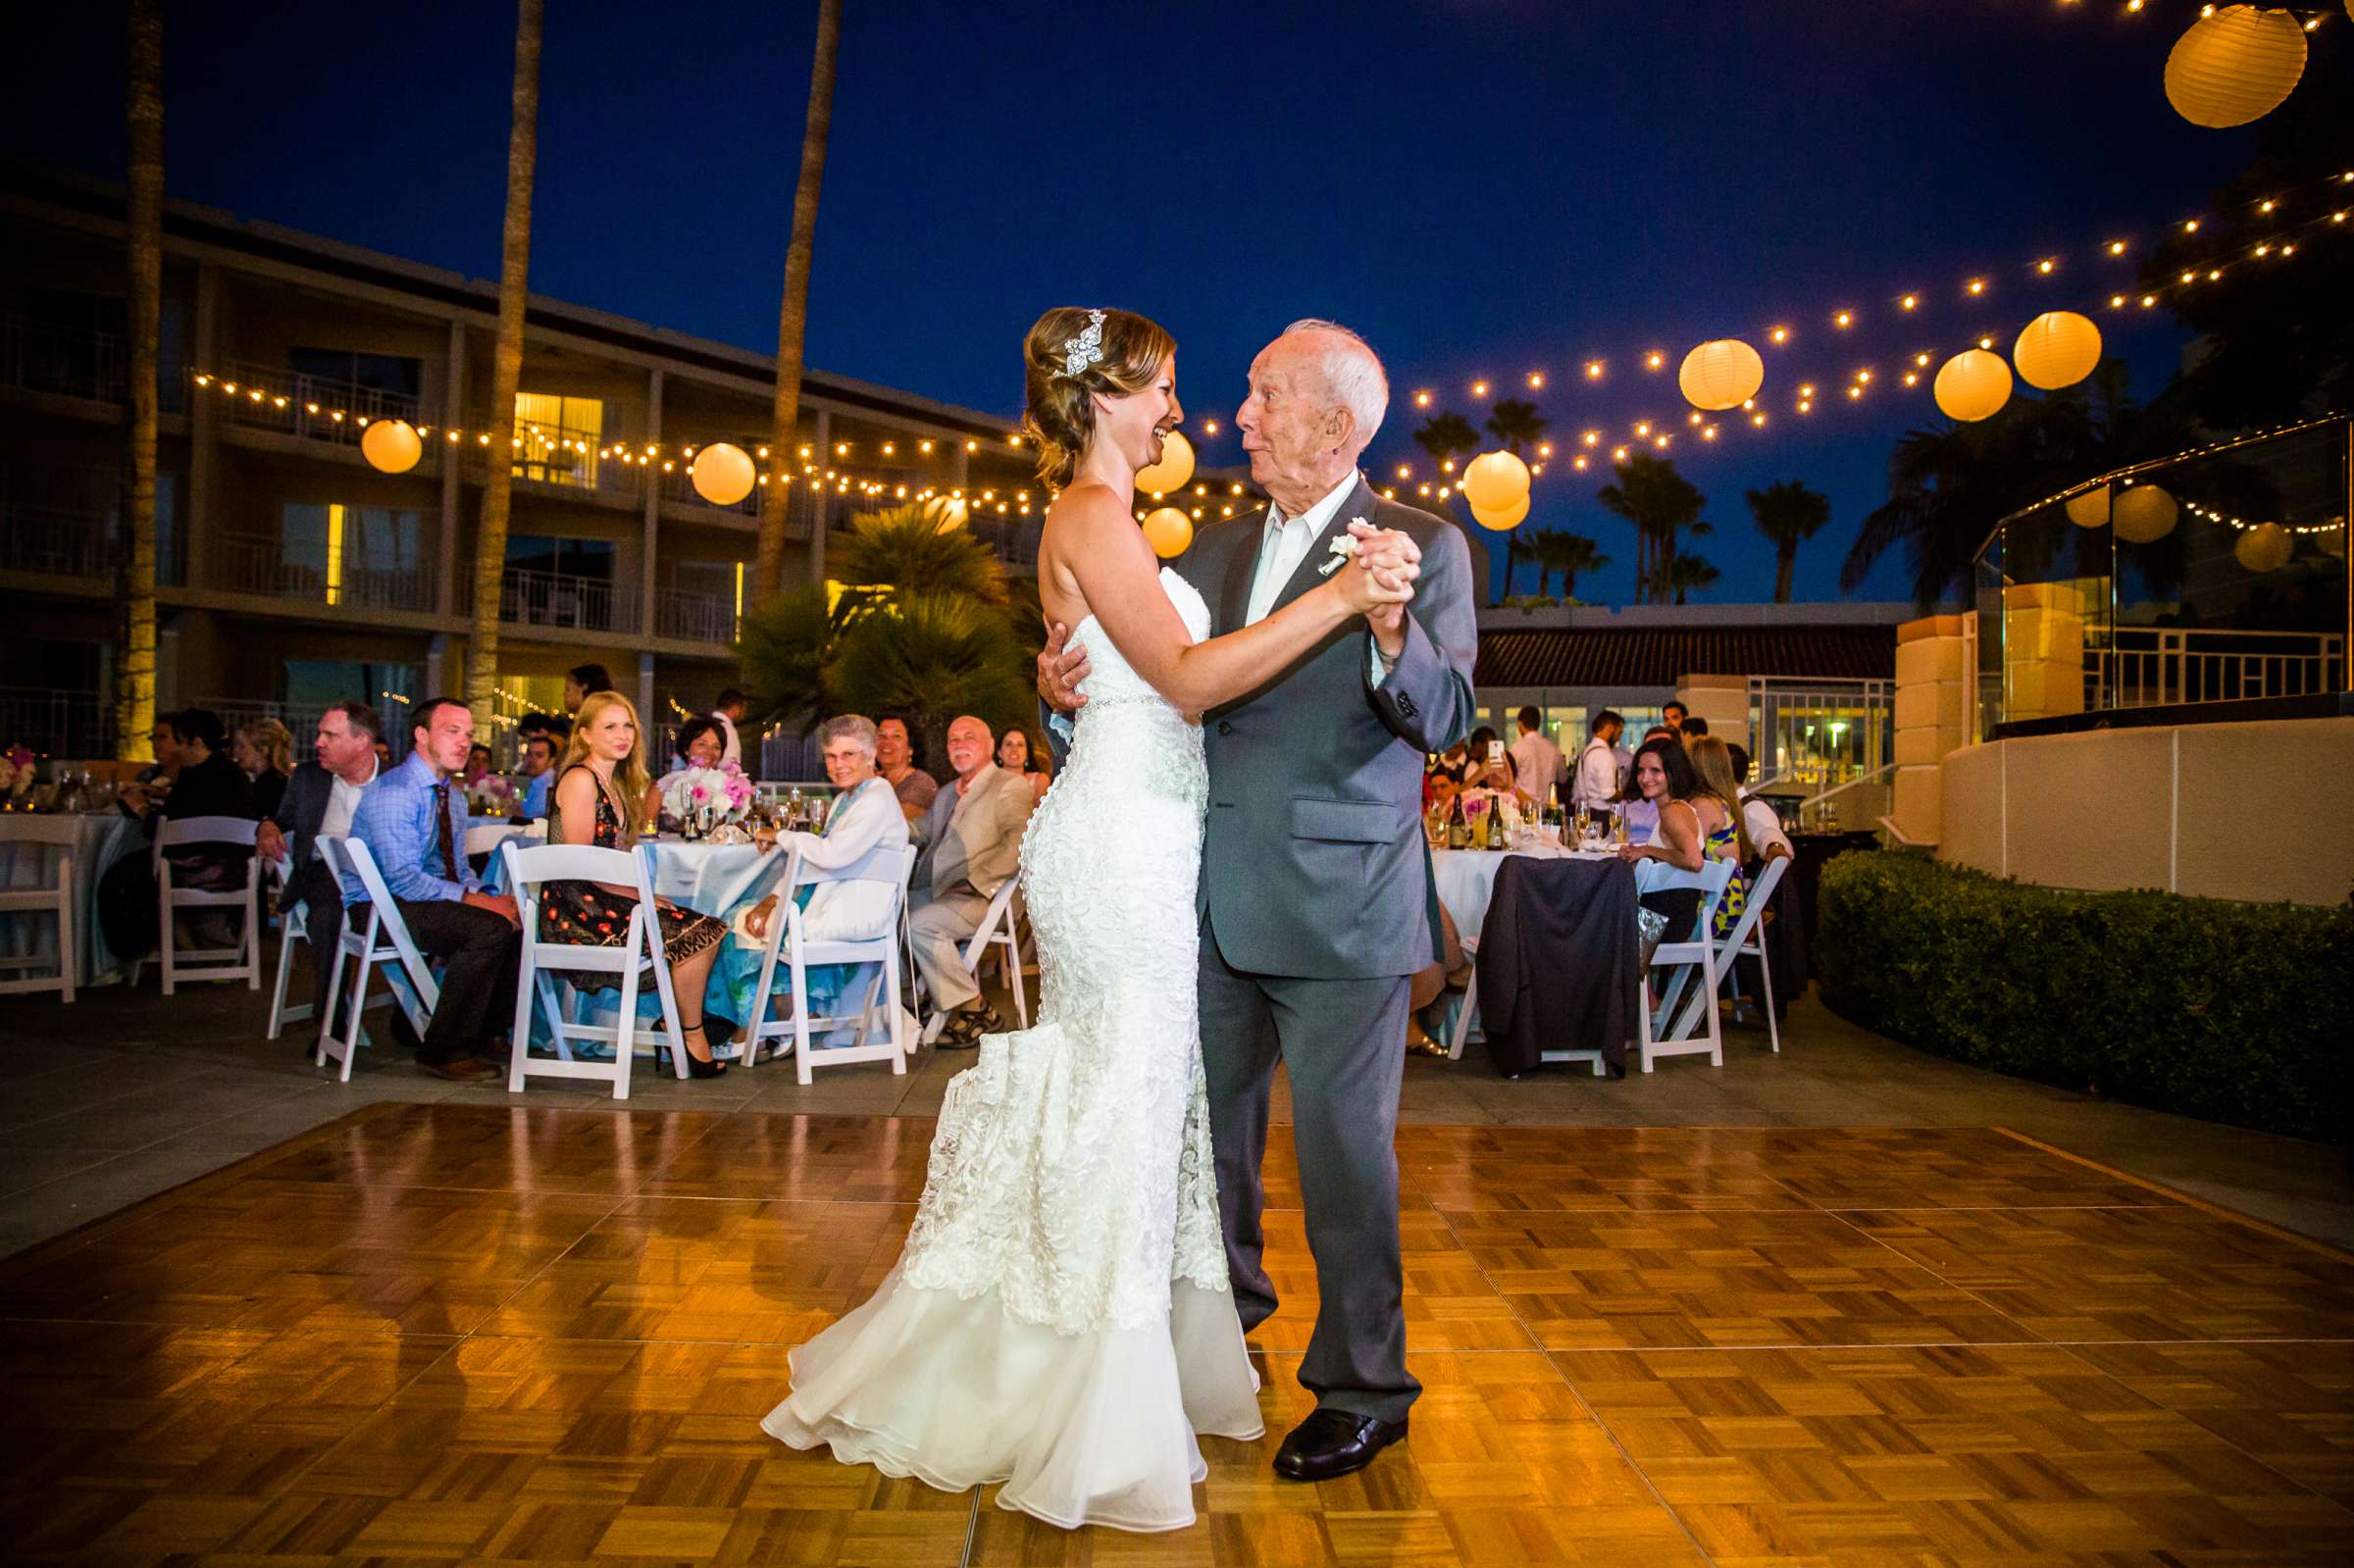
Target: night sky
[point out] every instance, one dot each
(1482, 187)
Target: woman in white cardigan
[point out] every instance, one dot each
(865, 818)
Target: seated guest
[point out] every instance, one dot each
(865, 818)
(597, 790)
(1015, 754)
(1760, 821)
(1479, 772)
(164, 741)
(265, 750)
(413, 821)
(895, 759)
(1696, 822)
(207, 785)
(1595, 786)
(1692, 728)
(478, 765)
(537, 765)
(582, 680)
(972, 844)
(699, 745)
(321, 798)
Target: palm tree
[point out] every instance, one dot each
(932, 656)
(1517, 423)
(506, 370)
(1660, 503)
(786, 647)
(1789, 514)
(1569, 554)
(144, 227)
(918, 549)
(1447, 435)
(792, 321)
(1681, 574)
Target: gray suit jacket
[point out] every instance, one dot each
(1313, 862)
(982, 847)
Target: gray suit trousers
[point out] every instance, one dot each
(1343, 1045)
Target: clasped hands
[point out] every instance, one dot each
(1381, 579)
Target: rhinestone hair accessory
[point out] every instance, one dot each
(1078, 353)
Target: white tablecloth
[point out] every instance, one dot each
(100, 839)
(706, 877)
(1466, 880)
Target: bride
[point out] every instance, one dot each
(1059, 1319)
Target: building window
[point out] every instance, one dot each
(559, 438)
(362, 556)
(395, 381)
(551, 556)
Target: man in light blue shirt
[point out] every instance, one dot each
(414, 824)
(538, 768)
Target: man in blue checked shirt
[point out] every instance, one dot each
(413, 821)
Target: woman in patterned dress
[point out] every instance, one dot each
(594, 803)
(1695, 825)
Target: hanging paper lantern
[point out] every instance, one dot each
(2235, 65)
(1169, 530)
(2144, 514)
(952, 513)
(1722, 374)
(390, 445)
(1973, 385)
(1495, 480)
(2059, 348)
(2265, 547)
(2089, 510)
(722, 474)
(1176, 466)
(2333, 539)
(1501, 518)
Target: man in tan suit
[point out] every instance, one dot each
(971, 843)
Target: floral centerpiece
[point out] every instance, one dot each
(490, 796)
(707, 797)
(15, 773)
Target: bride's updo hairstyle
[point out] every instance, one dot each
(1063, 372)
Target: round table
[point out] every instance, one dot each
(100, 839)
(1466, 878)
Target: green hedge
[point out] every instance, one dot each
(2232, 1012)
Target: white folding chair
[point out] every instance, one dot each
(383, 939)
(999, 934)
(242, 962)
(544, 963)
(1746, 938)
(887, 865)
(291, 931)
(55, 896)
(1654, 1035)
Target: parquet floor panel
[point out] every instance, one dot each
(503, 1333)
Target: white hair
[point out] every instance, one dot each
(1353, 373)
(854, 727)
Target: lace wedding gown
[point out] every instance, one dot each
(1060, 1319)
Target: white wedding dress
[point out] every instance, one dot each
(1060, 1319)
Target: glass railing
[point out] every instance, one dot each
(2214, 576)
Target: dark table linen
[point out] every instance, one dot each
(1556, 960)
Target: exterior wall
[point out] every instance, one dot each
(1932, 718)
(2160, 807)
(1722, 700)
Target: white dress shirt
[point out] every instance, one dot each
(1285, 541)
(1765, 825)
(1597, 775)
(1536, 765)
(342, 799)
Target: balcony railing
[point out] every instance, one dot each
(693, 616)
(57, 723)
(559, 599)
(255, 564)
(2149, 666)
(677, 486)
(63, 361)
(1820, 734)
(314, 407)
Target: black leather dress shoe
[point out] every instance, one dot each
(1334, 1442)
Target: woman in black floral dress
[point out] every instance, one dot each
(603, 774)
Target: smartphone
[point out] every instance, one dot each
(1495, 751)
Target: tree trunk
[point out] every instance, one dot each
(143, 226)
(1785, 561)
(506, 372)
(792, 323)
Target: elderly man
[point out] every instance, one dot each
(1315, 896)
(321, 797)
(970, 840)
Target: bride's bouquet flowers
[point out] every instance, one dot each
(711, 794)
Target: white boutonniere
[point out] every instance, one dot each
(1343, 546)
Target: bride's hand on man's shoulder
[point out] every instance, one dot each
(1060, 668)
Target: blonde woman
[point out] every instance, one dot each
(265, 750)
(598, 790)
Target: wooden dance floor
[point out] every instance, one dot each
(477, 1334)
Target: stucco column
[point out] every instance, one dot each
(2043, 650)
(1932, 718)
(1722, 700)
